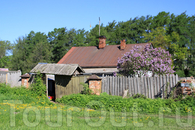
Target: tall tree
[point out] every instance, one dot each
(92, 37)
(180, 24)
(159, 37)
(161, 20)
(80, 38)
(29, 51)
(5, 53)
(60, 43)
(5, 47)
(20, 55)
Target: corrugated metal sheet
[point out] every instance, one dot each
(57, 69)
(93, 57)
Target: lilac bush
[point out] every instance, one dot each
(140, 61)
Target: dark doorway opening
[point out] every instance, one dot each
(51, 89)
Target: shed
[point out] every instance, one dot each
(67, 78)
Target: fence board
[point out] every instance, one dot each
(129, 85)
(151, 88)
(120, 85)
(157, 86)
(132, 88)
(171, 83)
(141, 85)
(148, 88)
(126, 83)
(115, 86)
(138, 85)
(145, 86)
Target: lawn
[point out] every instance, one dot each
(66, 117)
(21, 109)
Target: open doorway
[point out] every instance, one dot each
(51, 87)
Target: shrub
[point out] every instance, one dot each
(26, 95)
(38, 87)
(180, 73)
(86, 89)
(140, 62)
(139, 96)
(128, 104)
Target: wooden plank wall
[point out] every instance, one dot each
(152, 87)
(65, 85)
(11, 78)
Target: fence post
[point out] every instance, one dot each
(177, 78)
(102, 83)
(157, 86)
(144, 86)
(164, 85)
(152, 89)
(138, 85)
(6, 79)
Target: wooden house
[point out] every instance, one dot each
(101, 59)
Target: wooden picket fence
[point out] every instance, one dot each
(152, 87)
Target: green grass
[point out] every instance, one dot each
(74, 118)
(37, 112)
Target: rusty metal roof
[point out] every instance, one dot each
(91, 56)
(25, 75)
(57, 69)
(95, 77)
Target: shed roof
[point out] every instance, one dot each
(91, 56)
(57, 69)
(25, 75)
(92, 77)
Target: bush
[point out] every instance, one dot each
(120, 104)
(139, 96)
(26, 95)
(38, 87)
(86, 89)
(141, 61)
(180, 73)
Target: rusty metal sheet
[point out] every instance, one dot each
(93, 57)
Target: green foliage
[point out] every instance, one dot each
(120, 104)
(159, 37)
(139, 96)
(26, 95)
(104, 94)
(38, 87)
(5, 61)
(5, 51)
(29, 51)
(5, 46)
(86, 89)
(180, 73)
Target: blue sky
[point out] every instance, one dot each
(19, 17)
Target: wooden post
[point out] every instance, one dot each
(138, 83)
(152, 89)
(46, 84)
(164, 85)
(102, 83)
(145, 86)
(6, 80)
(129, 86)
(161, 85)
